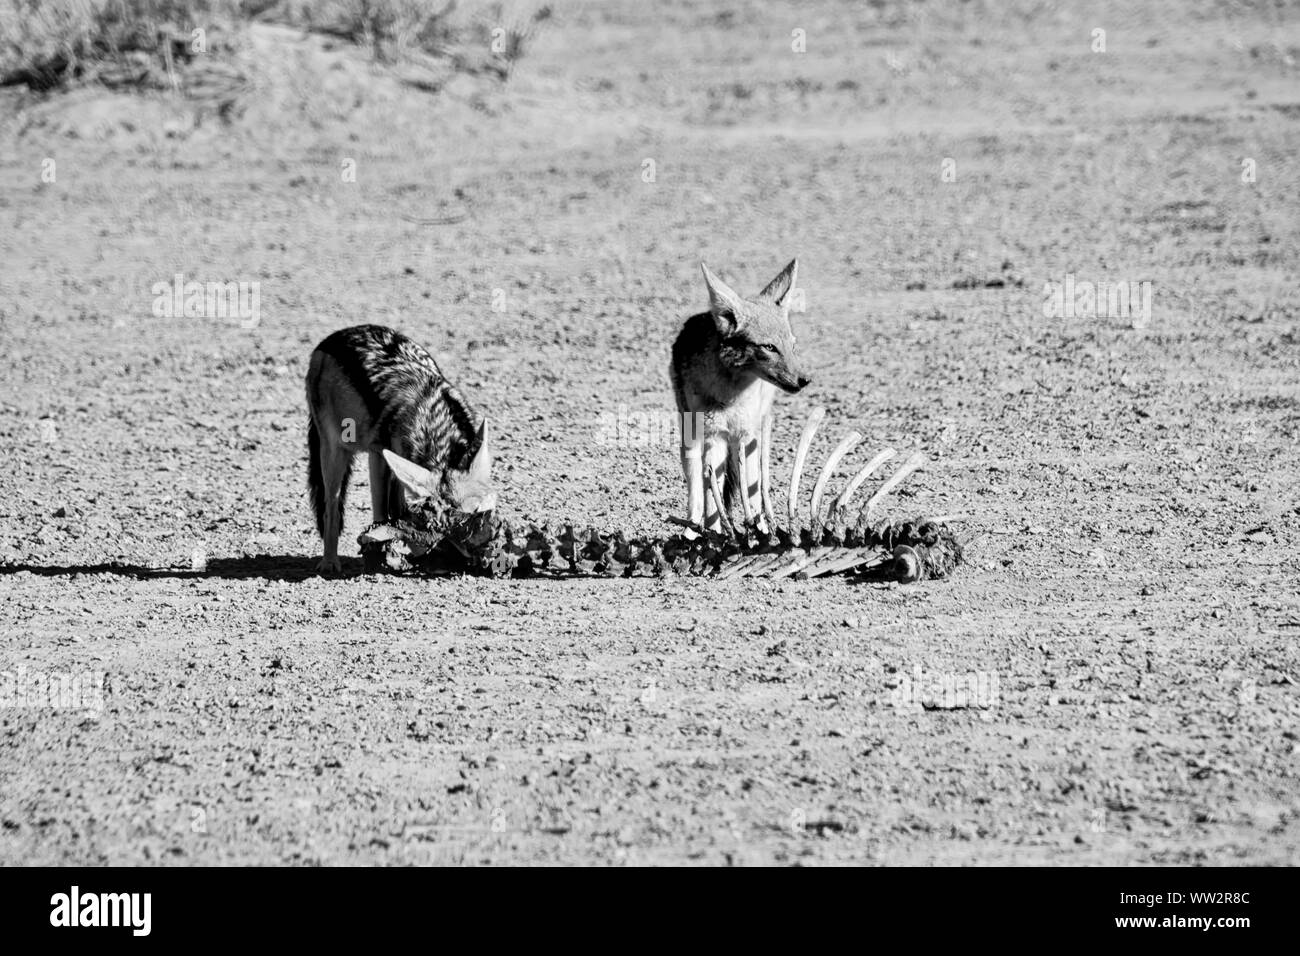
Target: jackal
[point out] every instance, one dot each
(372, 389)
(726, 366)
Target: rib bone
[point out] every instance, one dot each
(841, 504)
(736, 452)
(909, 466)
(846, 445)
(802, 561)
(724, 519)
(741, 565)
(770, 561)
(843, 560)
(800, 457)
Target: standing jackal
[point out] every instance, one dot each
(727, 364)
(372, 389)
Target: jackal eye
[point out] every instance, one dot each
(767, 347)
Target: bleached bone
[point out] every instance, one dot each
(843, 560)
(801, 562)
(724, 519)
(765, 474)
(800, 457)
(763, 563)
(769, 561)
(909, 466)
(841, 504)
(736, 452)
(788, 567)
(740, 567)
(846, 445)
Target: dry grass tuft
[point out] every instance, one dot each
(151, 44)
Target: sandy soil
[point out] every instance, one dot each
(1132, 484)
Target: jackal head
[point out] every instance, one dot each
(465, 489)
(756, 335)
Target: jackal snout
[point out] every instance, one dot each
(789, 381)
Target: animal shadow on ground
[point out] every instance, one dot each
(268, 566)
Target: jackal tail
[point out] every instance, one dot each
(316, 481)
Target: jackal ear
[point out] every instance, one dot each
(480, 466)
(419, 482)
(723, 302)
(778, 290)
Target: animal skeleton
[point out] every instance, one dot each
(436, 539)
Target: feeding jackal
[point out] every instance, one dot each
(372, 389)
(727, 364)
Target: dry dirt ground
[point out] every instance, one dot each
(1131, 482)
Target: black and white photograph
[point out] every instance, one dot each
(621, 433)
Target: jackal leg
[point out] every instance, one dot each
(396, 499)
(394, 494)
(693, 470)
(380, 485)
(335, 463)
(765, 467)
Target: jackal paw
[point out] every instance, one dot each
(329, 566)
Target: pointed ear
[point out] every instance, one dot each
(723, 302)
(778, 290)
(419, 482)
(480, 465)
